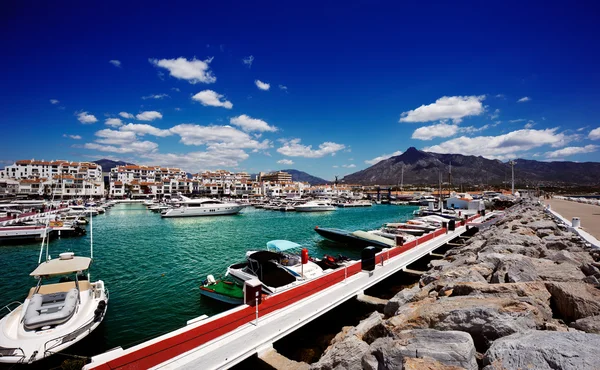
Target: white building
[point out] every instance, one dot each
(61, 178)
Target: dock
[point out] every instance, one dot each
(226, 339)
(588, 214)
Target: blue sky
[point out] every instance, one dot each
(179, 84)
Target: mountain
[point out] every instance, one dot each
(305, 177)
(424, 168)
(107, 164)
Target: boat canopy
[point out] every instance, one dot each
(59, 266)
(282, 245)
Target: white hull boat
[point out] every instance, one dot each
(315, 207)
(202, 207)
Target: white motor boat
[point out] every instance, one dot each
(54, 316)
(202, 207)
(314, 206)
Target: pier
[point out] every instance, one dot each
(588, 214)
(226, 339)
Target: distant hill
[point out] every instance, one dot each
(424, 168)
(305, 177)
(107, 164)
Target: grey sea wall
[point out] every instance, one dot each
(523, 294)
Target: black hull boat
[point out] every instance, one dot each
(359, 239)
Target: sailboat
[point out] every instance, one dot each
(60, 310)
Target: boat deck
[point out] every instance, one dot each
(60, 287)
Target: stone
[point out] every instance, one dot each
(542, 224)
(507, 238)
(513, 268)
(486, 319)
(360, 330)
(534, 292)
(403, 297)
(534, 251)
(593, 280)
(590, 324)
(544, 232)
(574, 301)
(450, 348)
(589, 269)
(346, 354)
(426, 363)
(544, 350)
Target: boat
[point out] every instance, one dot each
(314, 206)
(223, 290)
(358, 238)
(276, 268)
(22, 232)
(202, 207)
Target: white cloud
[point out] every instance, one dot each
(282, 87)
(114, 122)
(262, 85)
(503, 146)
(86, 118)
(218, 137)
(517, 120)
(248, 61)
(54, 101)
(352, 165)
(116, 63)
(155, 96)
(495, 115)
(594, 134)
(285, 161)
(74, 137)
(198, 161)
(115, 137)
(524, 99)
(149, 115)
(571, 150)
(529, 124)
(293, 148)
(446, 107)
(126, 115)
(193, 71)
(471, 129)
(134, 147)
(143, 129)
(382, 157)
(175, 89)
(499, 96)
(177, 109)
(433, 131)
(213, 99)
(251, 124)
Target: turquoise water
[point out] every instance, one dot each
(153, 266)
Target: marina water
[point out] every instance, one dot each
(153, 266)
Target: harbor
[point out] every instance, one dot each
(154, 266)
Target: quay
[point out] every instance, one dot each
(30, 216)
(588, 214)
(228, 338)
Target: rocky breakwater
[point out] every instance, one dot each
(523, 294)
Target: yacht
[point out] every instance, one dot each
(202, 207)
(314, 206)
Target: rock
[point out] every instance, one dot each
(403, 297)
(593, 280)
(535, 292)
(561, 242)
(426, 363)
(346, 354)
(535, 251)
(363, 330)
(575, 300)
(543, 224)
(544, 232)
(507, 238)
(514, 268)
(590, 324)
(544, 350)
(486, 319)
(573, 257)
(451, 348)
(589, 269)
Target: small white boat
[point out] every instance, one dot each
(315, 206)
(54, 316)
(202, 207)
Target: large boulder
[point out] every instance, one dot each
(426, 363)
(346, 354)
(590, 324)
(508, 238)
(533, 292)
(575, 300)
(514, 268)
(544, 350)
(542, 224)
(486, 319)
(403, 297)
(452, 348)
(363, 331)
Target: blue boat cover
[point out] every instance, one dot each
(282, 245)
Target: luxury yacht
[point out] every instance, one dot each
(314, 206)
(202, 207)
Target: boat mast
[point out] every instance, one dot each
(512, 167)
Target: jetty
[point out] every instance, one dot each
(224, 340)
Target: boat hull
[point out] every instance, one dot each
(206, 291)
(202, 211)
(344, 237)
